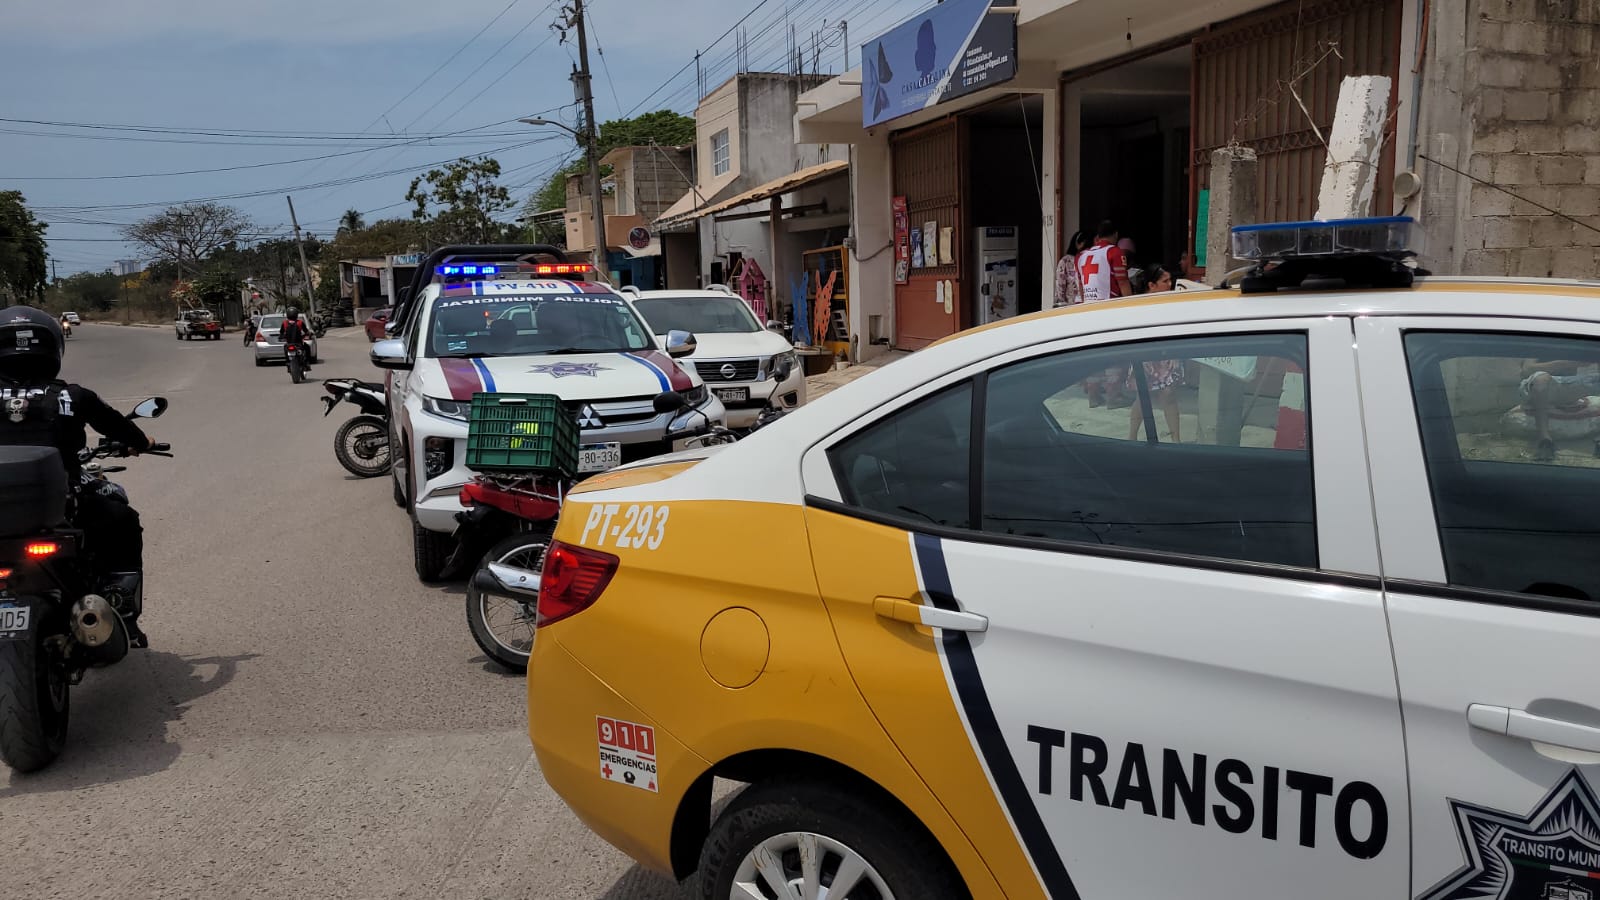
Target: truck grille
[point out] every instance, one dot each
(713, 371)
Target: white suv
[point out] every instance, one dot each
(747, 367)
(502, 333)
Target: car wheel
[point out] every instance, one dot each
(430, 552)
(799, 838)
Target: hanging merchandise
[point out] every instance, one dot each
(797, 293)
(751, 284)
(823, 314)
(902, 241)
(917, 260)
(930, 244)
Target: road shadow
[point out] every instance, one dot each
(639, 883)
(494, 668)
(120, 715)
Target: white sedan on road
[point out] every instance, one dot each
(747, 366)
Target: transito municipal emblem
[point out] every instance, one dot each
(1552, 853)
(564, 369)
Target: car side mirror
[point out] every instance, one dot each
(390, 354)
(774, 325)
(669, 402)
(681, 344)
(150, 409)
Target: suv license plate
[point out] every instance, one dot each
(599, 457)
(732, 395)
(14, 621)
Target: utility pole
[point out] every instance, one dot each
(305, 270)
(591, 135)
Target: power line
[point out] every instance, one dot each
(486, 60)
(588, 14)
(719, 40)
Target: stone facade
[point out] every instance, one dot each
(1527, 92)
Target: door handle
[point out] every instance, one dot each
(913, 613)
(1526, 726)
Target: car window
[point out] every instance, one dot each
(700, 315)
(913, 464)
(1510, 427)
(271, 323)
(534, 324)
(1069, 452)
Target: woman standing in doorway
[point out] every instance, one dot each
(1069, 290)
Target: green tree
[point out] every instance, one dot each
(664, 127)
(97, 291)
(214, 286)
(351, 221)
(459, 202)
(385, 237)
(24, 268)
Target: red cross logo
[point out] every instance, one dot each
(1090, 267)
(606, 770)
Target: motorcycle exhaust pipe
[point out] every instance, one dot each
(496, 578)
(98, 630)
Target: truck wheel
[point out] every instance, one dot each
(34, 704)
(818, 838)
(430, 552)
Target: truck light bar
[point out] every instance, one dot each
(1388, 237)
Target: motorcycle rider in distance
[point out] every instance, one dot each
(38, 409)
(295, 331)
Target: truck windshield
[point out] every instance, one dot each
(532, 324)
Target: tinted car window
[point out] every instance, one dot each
(1188, 446)
(915, 464)
(1511, 433)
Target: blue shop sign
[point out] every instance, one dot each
(949, 51)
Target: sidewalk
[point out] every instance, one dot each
(817, 385)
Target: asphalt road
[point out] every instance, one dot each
(309, 721)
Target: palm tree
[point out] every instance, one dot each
(351, 221)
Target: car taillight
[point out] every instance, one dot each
(572, 581)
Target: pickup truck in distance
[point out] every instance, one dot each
(193, 323)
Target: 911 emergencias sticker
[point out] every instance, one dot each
(627, 753)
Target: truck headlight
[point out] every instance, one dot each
(448, 409)
(783, 365)
(696, 396)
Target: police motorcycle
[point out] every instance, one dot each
(503, 595)
(362, 444)
(59, 615)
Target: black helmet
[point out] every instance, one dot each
(293, 313)
(31, 344)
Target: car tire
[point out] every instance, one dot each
(260, 363)
(907, 861)
(430, 552)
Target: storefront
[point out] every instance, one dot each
(1138, 131)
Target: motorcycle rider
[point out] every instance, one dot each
(294, 331)
(37, 408)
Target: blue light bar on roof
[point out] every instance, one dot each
(466, 270)
(1386, 236)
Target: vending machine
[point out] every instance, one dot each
(997, 272)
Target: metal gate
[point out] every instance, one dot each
(1270, 81)
(928, 170)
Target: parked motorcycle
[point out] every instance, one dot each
(362, 444)
(520, 514)
(59, 615)
(297, 358)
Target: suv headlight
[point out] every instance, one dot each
(697, 395)
(448, 409)
(782, 365)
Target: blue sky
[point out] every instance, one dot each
(313, 68)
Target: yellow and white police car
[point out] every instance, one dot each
(1315, 616)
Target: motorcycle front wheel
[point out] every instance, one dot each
(362, 446)
(34, 704)
(503, 626)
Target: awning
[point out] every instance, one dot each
(792, 182)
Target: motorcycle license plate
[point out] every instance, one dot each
(599, 457)
(732, 395)
(14, 621)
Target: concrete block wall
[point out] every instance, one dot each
(1531, 91)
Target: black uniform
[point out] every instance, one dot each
(57, 414)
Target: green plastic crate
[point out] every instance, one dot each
(521, 433)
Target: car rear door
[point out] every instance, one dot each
(1493, 591)
(1131, 667)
